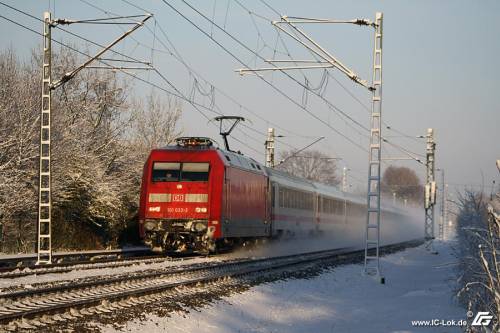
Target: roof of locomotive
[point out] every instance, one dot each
(241, 161)
(229, 158)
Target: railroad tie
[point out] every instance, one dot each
(75, 312)
(47, 319)
(58, 317)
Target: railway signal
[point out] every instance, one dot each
(44, 226)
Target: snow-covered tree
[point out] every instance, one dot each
(100, 137)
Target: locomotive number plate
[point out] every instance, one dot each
(177, 210)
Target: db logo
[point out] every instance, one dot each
(178, 197)
(482, 319)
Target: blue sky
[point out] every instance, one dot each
(440, 68)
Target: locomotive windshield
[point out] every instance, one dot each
(176, 172)
(192, 172)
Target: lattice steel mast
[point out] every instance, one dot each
(372, 239)
(430, 189)
(44, 225)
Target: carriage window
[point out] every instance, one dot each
(195, 172)
(166, 172)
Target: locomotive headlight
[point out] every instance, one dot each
(149, 225)
(200, 226)
(200, 209)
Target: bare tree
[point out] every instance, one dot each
(154, 123)
(313, 165)
(403, 181)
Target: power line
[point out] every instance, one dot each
(190, 69)
(179, 94)
(330, 105)
(406, 151)
(402, 149)
(179, 58)
(241, 62)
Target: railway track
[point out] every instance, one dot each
(10, 262)
(15, 272)
(43, 306)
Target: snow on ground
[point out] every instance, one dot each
(419, 286)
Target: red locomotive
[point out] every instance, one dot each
(197, 197)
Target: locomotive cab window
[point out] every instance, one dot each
(180, 172)
(195, 172)
(166, 172)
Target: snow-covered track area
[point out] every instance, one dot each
(15, 272)
(13, 261)
(47, 304)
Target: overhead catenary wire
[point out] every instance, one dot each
(244, 64)
(404, 150)
(305, 86)
(179, 58)
(178, 94)
(34, 17)
(364, 106)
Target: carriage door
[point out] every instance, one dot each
(227, 196)
(274, 207)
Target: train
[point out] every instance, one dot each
(201, 198)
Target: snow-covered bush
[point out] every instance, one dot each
(479, 256)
